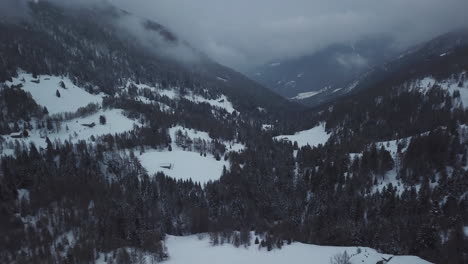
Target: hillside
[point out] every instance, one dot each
(120, 147)
(328, 70)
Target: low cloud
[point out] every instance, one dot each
(245, 33)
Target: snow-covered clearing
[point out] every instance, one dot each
(116, 122)
(221, 79)
(44, 92)
(191, 249)
(312, 137)
(183, 165)
(220, 102)
(451, 85)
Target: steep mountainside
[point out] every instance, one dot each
(327, 70)
(414, 60)
(103, 47)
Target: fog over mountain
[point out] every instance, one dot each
(241, 33)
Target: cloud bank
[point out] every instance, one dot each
(244, 33)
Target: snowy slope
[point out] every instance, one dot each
(116, 123)
(190, 249)
(451, 85)
(301, 96)
(312, 137)
(44, 88)
(221, 102)
(182, 164)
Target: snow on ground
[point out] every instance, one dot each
(170, 93)
(301, 96)
(116, 122)
(312, 137)
(267, 127)
(451, 85)
(191, 133)
(221, 102)
(336, 90)
(352, 86)
(221, 79)
(194, 134)
(390, 177)
(44, 88)
(191, 249)
(23, 193)
(183, 165)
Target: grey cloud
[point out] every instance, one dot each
(243, 33)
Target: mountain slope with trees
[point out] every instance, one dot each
(392, 174)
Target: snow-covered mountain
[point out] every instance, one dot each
(327, 70)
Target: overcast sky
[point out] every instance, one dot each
(240, 33)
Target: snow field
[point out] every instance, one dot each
(191, 249)
(44, 88)
(312, 137)
(185, 165)
(116, 122)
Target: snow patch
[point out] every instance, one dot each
(116, 122)
(302, 96)
(183, 165)
(267, 127)
(221, 79)
(312, 137)
(221, 102)
(44, 91)
(451, 85)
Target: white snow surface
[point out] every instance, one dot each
(451, 85)
(44, 92)
(191, 249)
(181, 164)
(194, 134)
(301, 96)
(184, 165)
(221, 102)
(116, 122)
(313, 137)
